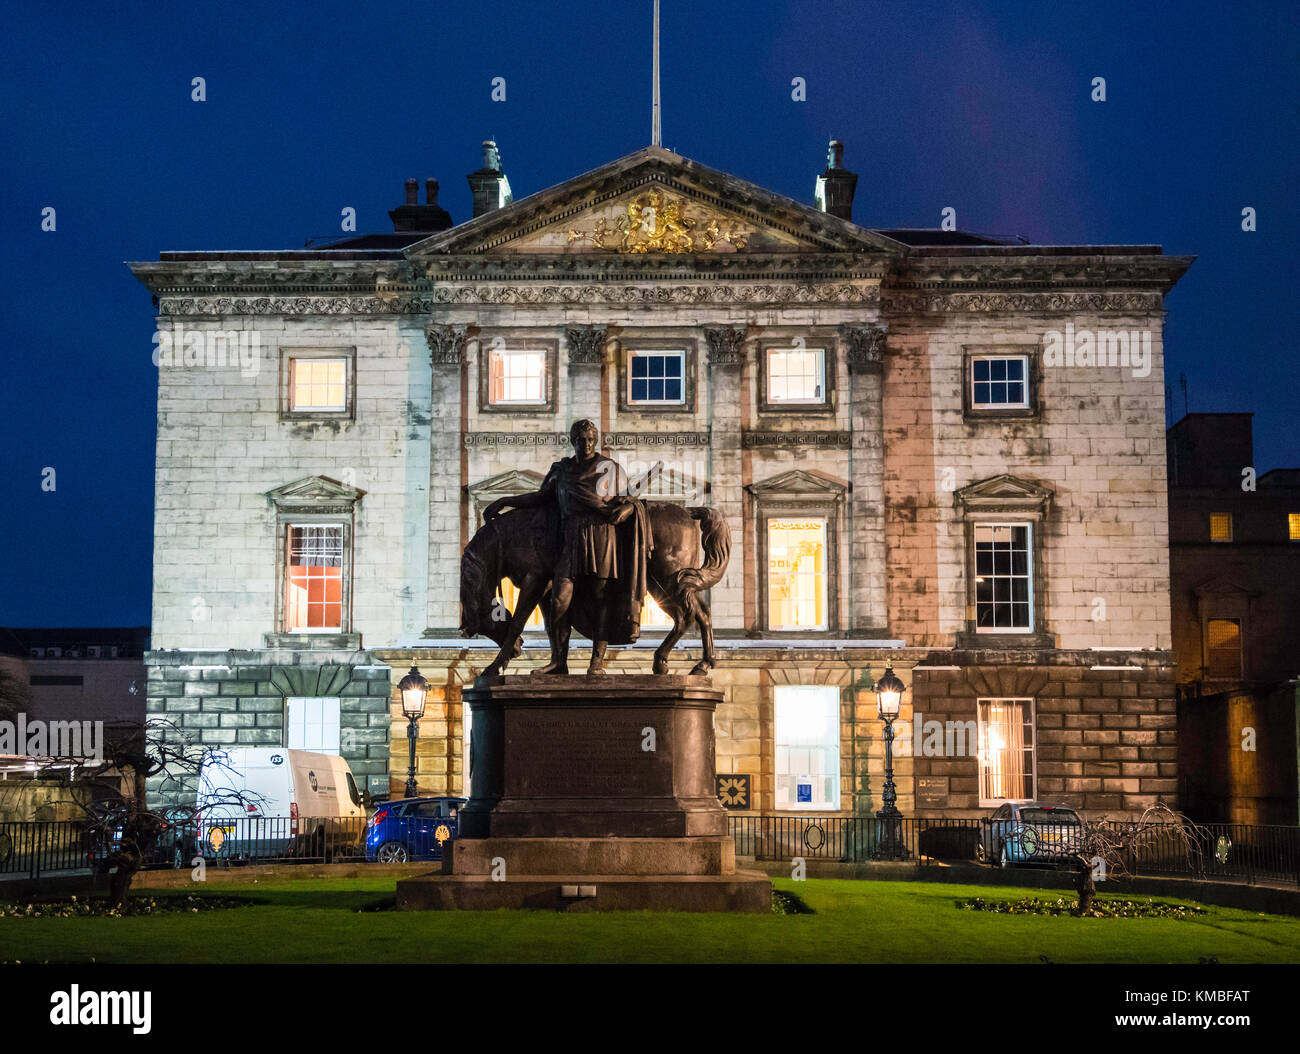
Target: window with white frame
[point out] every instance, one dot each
(313, 578)
(796, 375)
(656, 377)
(517, 377)
(1006, 750)
(796, 573)
(313, 724)
(318, 384)
(807, 733)
(1003, 577)
(999, 382)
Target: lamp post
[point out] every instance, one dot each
(889, 701)
(414, 689)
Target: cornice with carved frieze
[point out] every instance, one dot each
(986, 302)
(769, 439)
(608, 440)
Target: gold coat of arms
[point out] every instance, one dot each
(656, 223)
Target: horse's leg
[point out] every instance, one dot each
(704, 619)
(530, 592)
(677, 612)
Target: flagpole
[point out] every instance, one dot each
(656, 133)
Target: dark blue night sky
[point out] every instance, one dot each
(314, 107)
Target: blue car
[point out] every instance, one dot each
(412, 829)
(1029, 832)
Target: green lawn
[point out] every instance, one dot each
(321, 921)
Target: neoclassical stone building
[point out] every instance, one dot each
(934, 449)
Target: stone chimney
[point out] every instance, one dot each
(489, 185)
(835, 186)
(414, 218)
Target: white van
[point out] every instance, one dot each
(274, 802)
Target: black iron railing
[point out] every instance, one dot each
(33, 849)
(1228, 852)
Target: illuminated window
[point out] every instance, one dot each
(1003, 579)
(510, 597)
(656, 377)
(1006, 750)
(796, 375)
(1223, 649)
(313, 724)
(999, 382)
(1293, 525)
(1220, 526)
(807, 746)
(796, 573)
(314, 579)
(517, 377)
(318, 384)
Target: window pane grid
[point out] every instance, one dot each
(1002, 577)
(314, 725)
(518, 377)
(1220, 526)
(656, 377)
(999, 382)
(318, 384)
(314, 578)
(795, 375)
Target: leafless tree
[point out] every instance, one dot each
(1120, 846)
(123, 830)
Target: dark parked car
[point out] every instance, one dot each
(412, 829)
(1029, 832)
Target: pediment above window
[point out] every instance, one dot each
(315, 494)
(504, 485)
(799, 485)
(1222, 587)
(1004, 494)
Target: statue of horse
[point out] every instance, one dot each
(522, 545)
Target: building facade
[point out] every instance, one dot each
(934, 450)
(1234, 555)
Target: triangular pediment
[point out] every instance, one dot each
(654, 201)
(797, 484)
(314, 491)
(1222, 587)
(1004, 491)
(505, 485)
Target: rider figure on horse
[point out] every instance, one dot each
(608, 563)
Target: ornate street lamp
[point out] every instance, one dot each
(889, 701)
(415, 690)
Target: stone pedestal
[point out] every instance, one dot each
(591, 793)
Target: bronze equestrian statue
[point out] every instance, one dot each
(587, 550)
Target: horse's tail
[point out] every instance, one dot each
(715, 539)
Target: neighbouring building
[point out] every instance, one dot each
(61, 676)
(935, 449)
(1234, 558)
